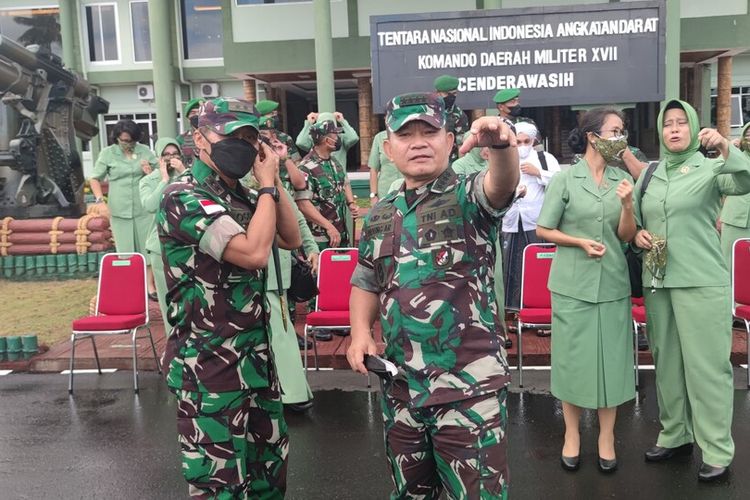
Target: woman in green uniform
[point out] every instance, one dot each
(151, 188)
(587, 213)
(735, 214)
(124, 163)
(688, 307)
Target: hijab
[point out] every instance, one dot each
(745, 143)
(675, 159)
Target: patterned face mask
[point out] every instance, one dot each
(612, 148)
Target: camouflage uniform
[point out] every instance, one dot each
(217, 360)
(325, 189)
(428, 254)
(457, 122)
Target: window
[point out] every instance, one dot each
(202, 29)
(33, 26)
(145, 121)
(101, 27)
(141, 31)
(258, 2)
(740, 106)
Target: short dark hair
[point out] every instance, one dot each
(592, 121)
(128, 126)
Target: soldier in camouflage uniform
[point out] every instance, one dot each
(456, 120)
(426, 267)
(508, 103)
(328, 194)
(215, 246)
(269, 120)
(185, 140)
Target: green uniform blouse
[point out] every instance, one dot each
(124, 174)
(575, 205)
(683, 208)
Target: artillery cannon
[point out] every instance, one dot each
(43, 108)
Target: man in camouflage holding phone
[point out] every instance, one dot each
(215, 245)
(426, 261)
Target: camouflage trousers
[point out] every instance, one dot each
(458, 446)
(234, 444)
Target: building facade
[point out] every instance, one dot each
(148, 58)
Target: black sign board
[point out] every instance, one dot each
(583, 54)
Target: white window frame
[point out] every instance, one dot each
(132, 31)
(192, 63)
(117, 33)
(120, 116)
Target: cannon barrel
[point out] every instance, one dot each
(14, 52)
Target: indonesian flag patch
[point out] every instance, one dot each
(211, 207)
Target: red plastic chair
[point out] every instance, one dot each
(536, 301)
(639, 321)
(741, 289)
(121, 308)
(335, 269)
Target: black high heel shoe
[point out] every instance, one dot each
(570, 463)
(607, 466)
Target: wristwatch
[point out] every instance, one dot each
(373, 195)
(269, 190)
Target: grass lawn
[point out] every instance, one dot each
(44, 308)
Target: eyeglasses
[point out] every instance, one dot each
(615, 132)
(675, 123)
(170, 155)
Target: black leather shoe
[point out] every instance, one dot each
(607, 466)
(642, 342)
(659, 453)
(710, 473)
(299, 407)
(301, 343)
(323, 336)
(570, 463)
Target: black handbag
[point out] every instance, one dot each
(633, 258)
(303, 286)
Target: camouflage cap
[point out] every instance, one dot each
(406, 108)
(266, 106)
(446, 83)
(325, 127)
(224, 115)
(506, 95)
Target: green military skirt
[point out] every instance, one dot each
(592, 352)
(131, 234)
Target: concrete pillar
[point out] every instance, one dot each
(324, 56)
(163, 69)
(672, 70)
(68, 21)
(724, 97)
(248, 90)
(364, 102)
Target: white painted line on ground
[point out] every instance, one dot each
(124, 346)
(76, 372)
(548, 368)
(320, 369)
(5, 372)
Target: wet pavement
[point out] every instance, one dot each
(106, 442)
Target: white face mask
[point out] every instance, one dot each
(524, 151)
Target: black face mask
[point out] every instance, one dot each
(449, 101)
(233, 157)
(193, 121)
(515, 110)
(337, 144)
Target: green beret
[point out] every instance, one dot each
(266, 106)
(446, 83)
(192, 104)
(506, 95)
